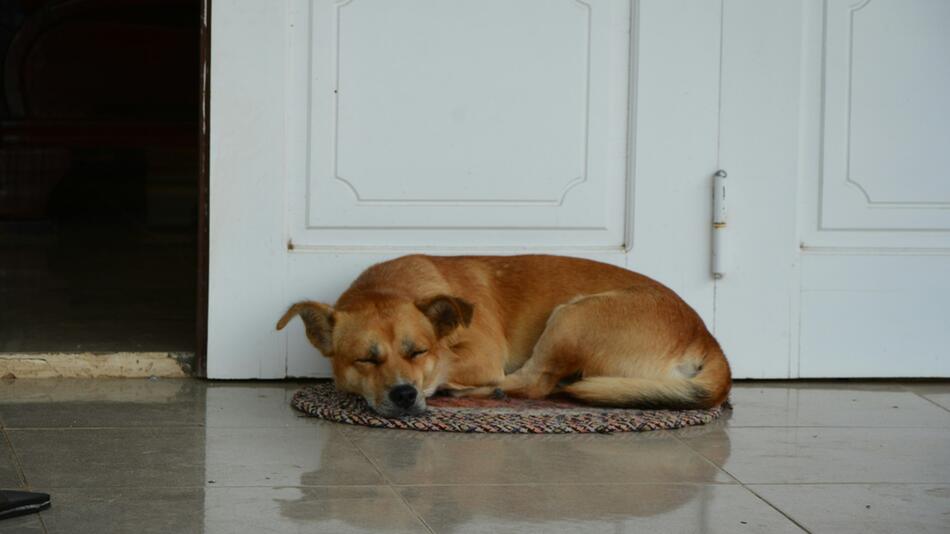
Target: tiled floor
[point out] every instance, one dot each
(181, 456)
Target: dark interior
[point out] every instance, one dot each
(99, 166)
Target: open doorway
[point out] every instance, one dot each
(100, 161)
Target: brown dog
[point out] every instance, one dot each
(527, 325)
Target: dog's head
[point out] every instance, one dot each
(391, 350)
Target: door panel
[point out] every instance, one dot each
(847, 271)
(875, 188)
(427, 115)
(455, 128)
(247, 242)
(674, 144)
(885, 135)
(873, 315)
(755, 317)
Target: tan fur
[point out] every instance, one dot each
(526, 325)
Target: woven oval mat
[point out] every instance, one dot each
(512, 416)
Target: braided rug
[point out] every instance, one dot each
(512, 416)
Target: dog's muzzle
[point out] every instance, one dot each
(400, 401)
(403, 396)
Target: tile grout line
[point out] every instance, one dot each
(412, 510)
(707, 460)
(127, 427)
(389, 482)
(39, 515)
(21, 474)
(776, 508)
(741, 484)
(746, 488)
(566, 484)
(577, 435)
(931, 401)
(507, 485)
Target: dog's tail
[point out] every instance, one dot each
(708, 386)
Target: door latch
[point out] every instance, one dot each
(719, 225)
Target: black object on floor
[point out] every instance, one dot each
(14, 503)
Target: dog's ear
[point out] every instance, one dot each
(319, 320)
(446, 313)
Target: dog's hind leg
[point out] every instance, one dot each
(528, 382)
(554, 358)
(629, 348)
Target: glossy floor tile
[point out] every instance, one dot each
(57, 393)
(936, 393)
(822, 454)
(22, 525)
(864, 509)
(229, 510)
(408, 457)
(314, 509)
(868, 405)
(595, 508)
(171, 402)
(9, 474)
(310, 456)
(249, 404)
(196, 456)
(146, 510)
(111, 457)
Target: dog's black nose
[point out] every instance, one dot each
(403, 396)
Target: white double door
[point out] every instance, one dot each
(348, 132)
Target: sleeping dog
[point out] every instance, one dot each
(523, 326)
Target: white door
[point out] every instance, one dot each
(348, 132)
(835, 133)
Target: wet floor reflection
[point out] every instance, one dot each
(464, 482)
(194, 456)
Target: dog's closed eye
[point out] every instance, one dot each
(416, 353)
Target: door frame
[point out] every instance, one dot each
(204, 137)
